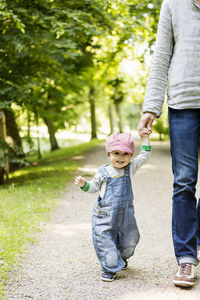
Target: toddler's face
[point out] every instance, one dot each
(120, 159)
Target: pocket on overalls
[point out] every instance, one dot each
(100, 213)
(120, 189)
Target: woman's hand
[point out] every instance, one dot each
(146, 121)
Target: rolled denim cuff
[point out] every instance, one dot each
(188, 260)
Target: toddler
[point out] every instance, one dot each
(114, 228)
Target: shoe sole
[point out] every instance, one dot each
(183, 283)
(107, 279)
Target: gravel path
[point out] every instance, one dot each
(63, 264)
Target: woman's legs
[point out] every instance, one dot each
(184, 136)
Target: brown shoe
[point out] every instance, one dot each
(186, 275)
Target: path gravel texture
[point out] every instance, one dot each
(62, 265)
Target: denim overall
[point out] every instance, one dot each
(114, 228)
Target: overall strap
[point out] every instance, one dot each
(127, 170)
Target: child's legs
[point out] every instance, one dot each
(128, 236)
(104, 240)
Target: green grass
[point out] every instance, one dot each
(26, 202)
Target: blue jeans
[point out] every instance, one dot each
(184, 128)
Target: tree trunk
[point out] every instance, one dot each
(12, 129)
(119, 116)
(111, 117)
(3, 152)
(13, 132)
(1, 176)
(52, 136)
(92, 114)
(28, 124)
(38, 132)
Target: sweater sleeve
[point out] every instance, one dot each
(158, 77)
(93, 185)
(139, 161)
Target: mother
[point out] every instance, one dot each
(176, 62)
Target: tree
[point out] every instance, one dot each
(4, 167)
(92, 113)
(48, 47)
(117, 97)
(136, 22)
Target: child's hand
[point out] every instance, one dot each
(145, 132)
(80, 181)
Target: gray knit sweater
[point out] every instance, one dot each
(176, 59)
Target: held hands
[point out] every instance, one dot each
(146, 122)
(80, 181)
(144, 133)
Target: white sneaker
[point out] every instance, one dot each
(186, 275)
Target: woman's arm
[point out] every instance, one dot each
(158, 77)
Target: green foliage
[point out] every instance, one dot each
(45, 45)
(12, 154)
(161, 128)
(52, 52)
(131, 114)
(161, 125)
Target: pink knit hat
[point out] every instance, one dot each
(120, 142)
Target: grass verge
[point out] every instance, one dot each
(25, 203)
